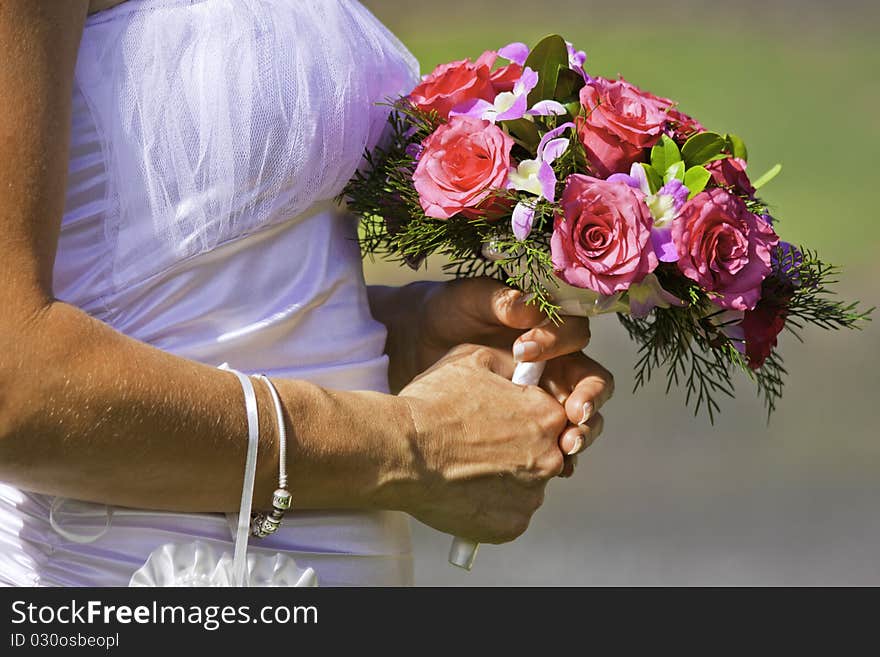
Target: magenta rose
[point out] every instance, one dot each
(460, 166)
(724, 247)
(602, 241)
(621, 122)
(731, 172)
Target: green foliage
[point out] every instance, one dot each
(525, 133)
(664, 154)
(655, 182)
(568, 86)
(737, 147)
(674, 172)
(695, 179)
(702, 148)
(546, 59)
(767, 177)
(685, 342)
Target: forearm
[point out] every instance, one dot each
(401, 309)
(89, 413)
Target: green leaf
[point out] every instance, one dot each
(654, 180)
(737, 147)
(574, 108)
(675, 170)
(665, 154)
(568, 85)
(695, 179)
(546, 59)
(701, 148)
(767, 177)
(525, 131)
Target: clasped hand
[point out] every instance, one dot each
(488, 446)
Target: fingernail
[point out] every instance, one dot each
(526, 351)
(578, 446)
(588, 412)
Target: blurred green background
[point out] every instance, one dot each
(665, 498)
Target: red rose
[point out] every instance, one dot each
(621, 122)
(451, 84)
(505, 77)
(761, 327)
(724, 247)
(602, 242)
(679, 126)
(731, 172)
(460, 166)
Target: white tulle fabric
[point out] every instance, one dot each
(208, 142)
(230, 115)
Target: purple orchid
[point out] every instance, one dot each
(576, 61)
(515, 52)
(510, 105)
(537, 177)
(664, 206)
(649, 294)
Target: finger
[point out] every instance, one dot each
(575, 440)
(592, 387)
(550, 341)
(593, 428)
(572, 440)
(568, 468)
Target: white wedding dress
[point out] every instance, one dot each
(209, 140)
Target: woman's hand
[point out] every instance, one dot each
(484, 447)
(425, 320)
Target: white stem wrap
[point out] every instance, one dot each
(462, 552)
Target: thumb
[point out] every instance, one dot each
(495, 304)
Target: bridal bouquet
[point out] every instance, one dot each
(596, 196)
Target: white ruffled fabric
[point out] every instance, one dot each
(197, 564)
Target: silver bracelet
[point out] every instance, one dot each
(263, 524)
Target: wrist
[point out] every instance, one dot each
(402, 310)
(347, 449)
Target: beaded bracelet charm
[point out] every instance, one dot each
(263, 524)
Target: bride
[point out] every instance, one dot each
(168, 170)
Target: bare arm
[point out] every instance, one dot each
(89, 413)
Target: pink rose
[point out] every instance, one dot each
(462, 163)
(602, 241)
(451, 84)
(621, 122)
(724, 247)
(731, 172)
